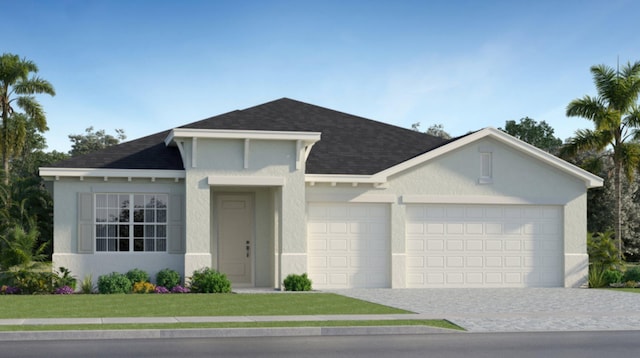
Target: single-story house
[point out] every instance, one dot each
(289, 187)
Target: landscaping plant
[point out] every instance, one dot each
(64, 278)
(114, 283)
(143, 287)
(207, 280)
(168, 278)
(137, 275)
(603, 259)
(295, 282)
(632, 274)
(86, 286)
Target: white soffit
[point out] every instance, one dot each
(111, 173)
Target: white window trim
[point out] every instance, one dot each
(131, 224)
(486, 165)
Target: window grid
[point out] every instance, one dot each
(122, 227)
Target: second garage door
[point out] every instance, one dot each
(484, 246)
(348, 245)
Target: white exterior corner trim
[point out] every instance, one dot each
(231, 180)
(82, 173)
(307, 137)
(590, 180)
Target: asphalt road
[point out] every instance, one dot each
(477, 345)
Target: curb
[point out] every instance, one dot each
(219, 333)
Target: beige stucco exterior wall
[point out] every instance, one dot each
(453, 178)
(225, 158)
(65, 232)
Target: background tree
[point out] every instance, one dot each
(436, 130)
(537, 134)
(18, 84)
(616, 118)
(92, 141)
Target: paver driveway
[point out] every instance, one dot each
(530, 309)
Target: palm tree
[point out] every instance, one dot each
(616, 117)
(17, 87)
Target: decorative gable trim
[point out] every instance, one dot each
(304, 141)
(307, 137)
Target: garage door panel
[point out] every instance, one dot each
(501, 246)
(357, 245)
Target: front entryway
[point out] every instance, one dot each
(235, 237)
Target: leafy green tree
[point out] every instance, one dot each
(436, 130)
(20, 248)
(537, 134)
(92, 141)
(616, 118)
(18, 85)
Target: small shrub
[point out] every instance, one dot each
(602, 250)
(180, 289)
(295, 282)
(33, 282)
(114, 283)
(64, 278)
(168, 278)
(143, 287)
(207, 280)
(137, 275)
(631, 284)
(596, 276)
(161, 289)
(86, 286)
(632, 274)
(612, 276)
(64, 290)
(9, 290)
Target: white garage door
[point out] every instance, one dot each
(484, 246)
(348, 245)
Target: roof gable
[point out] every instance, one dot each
(349, 144)
(590, 180)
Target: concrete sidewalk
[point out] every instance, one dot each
(208, 319)
(98, 333)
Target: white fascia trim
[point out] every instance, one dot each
(478, 199)
(347, 198)
(111, 173)
(345, 178)
(307, 137)
(230, 180)
(590, 180)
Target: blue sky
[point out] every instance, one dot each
(147, 66)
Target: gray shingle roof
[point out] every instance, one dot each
(349, 144)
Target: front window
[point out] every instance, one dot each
(131, 222)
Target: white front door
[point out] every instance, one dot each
(235, 237)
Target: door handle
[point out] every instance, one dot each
(248, 249)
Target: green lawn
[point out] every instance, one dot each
(432, 323)
(625, 289)
(169, 305)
